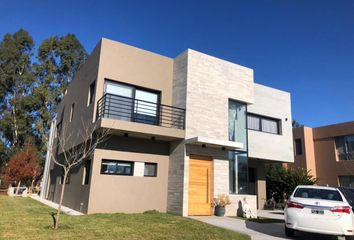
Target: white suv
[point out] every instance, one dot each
(318, 209)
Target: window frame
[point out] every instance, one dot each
(151, 163)
(72, 109)
(86, 172)
(349, 155)
(91, 93)
(298, 146)
(261, 118)
(134, 89)
(132, 163)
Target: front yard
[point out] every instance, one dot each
(24, 218)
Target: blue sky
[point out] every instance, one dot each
(302, 46)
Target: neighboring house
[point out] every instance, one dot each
(327, 152)
(185, 130)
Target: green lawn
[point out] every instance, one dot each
(25, 218)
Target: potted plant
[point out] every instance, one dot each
(220, 203)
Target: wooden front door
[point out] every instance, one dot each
(200, 186)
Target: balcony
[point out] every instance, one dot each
(134, 110)
(346, 156)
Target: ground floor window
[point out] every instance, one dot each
(238, 172)
(117, 167)
(150, 170)
(346, 181)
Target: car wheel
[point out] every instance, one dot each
(289, 232)
(349, 237)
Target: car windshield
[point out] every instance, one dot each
(318, 193)
(348, 194)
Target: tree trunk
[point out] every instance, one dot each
(15, 131)
(31, 191)
(18, 186)
(56, 224)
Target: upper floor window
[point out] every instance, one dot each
(72, 112)
(130, 103)
(345, 147)
(237, 122)
(91, 94)
(263, 124)
(298, 146)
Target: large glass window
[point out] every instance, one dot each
(263, 124)
(119, 104)
(238, 172)
(346, 181)
(345, 147)
(117, 167)
(146, 106)
(130, 103)
(237, 123)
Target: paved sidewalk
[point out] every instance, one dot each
(54, 205)
(274, 214)
(259, 231)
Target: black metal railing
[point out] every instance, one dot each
(346, 156)
(135, 110)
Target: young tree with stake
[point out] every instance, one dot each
(74, 147)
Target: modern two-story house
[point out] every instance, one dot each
(184, 130)
(327, 152)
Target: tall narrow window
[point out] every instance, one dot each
(72, 112)
(86, 175)
(91, 93)
(238, 172)
(298, 146)
(237, 123)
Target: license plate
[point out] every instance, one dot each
(317, 211)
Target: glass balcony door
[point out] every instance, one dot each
(121, 104)
(129, 103)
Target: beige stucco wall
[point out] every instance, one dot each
(77, 93)
(273, 103)
(319, 152)
(328, 166)
(307, 158)
(128, 64)
(129, 194)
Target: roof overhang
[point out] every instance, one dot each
(214, 143)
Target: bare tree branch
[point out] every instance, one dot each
(71, 150)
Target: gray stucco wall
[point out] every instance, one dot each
(277, 104)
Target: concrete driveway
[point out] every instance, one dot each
(260, 231)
